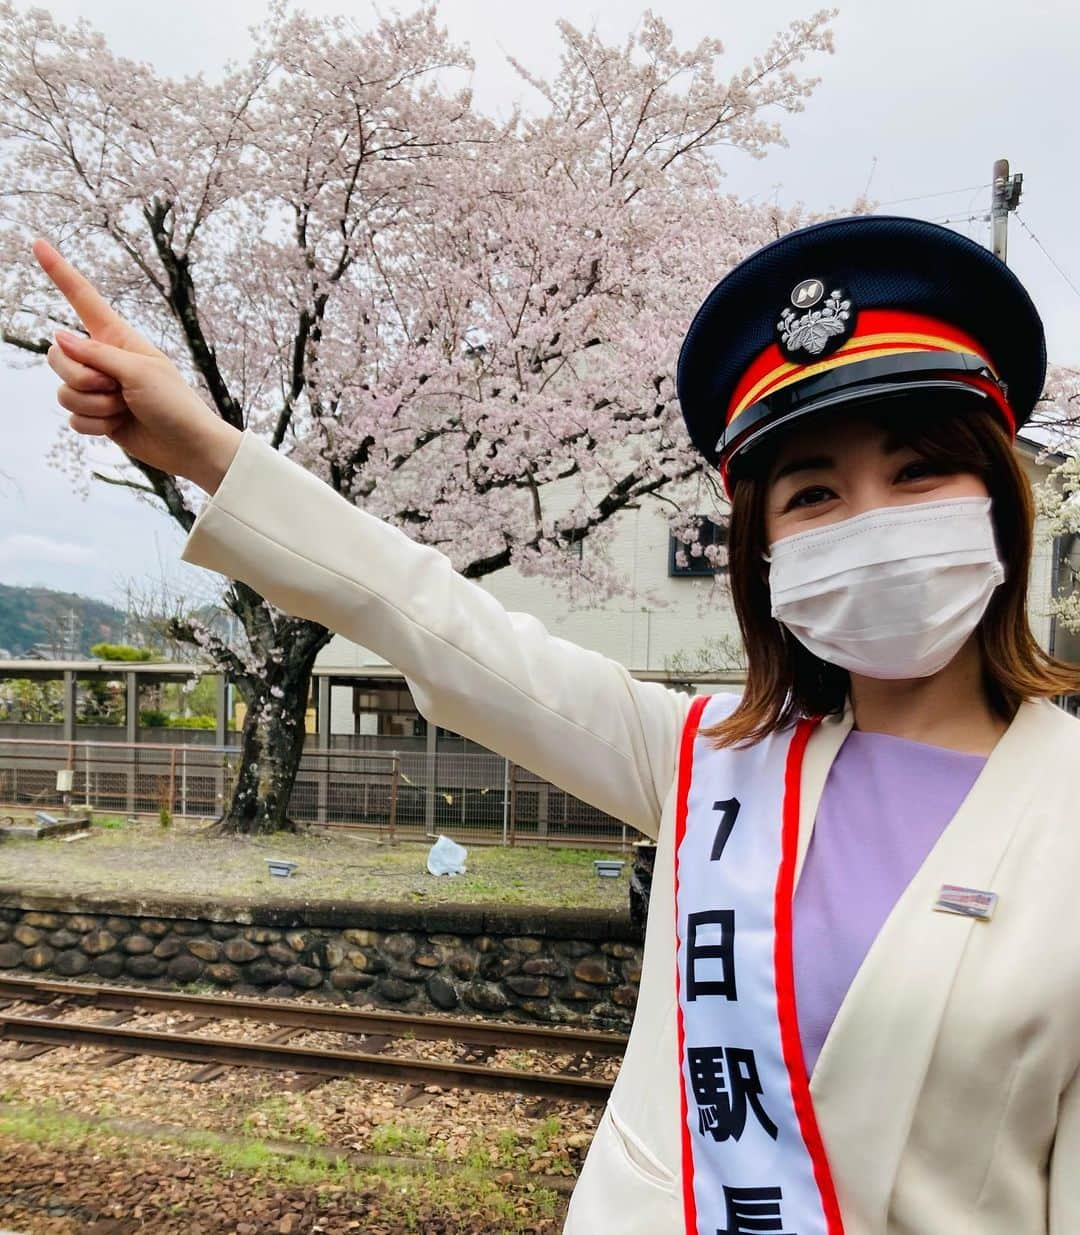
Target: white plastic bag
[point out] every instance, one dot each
(446, 857)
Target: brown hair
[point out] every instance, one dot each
(785, 681)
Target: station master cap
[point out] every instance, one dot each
(853, 311)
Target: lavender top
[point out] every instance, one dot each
(885, 803)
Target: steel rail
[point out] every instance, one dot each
(288, 1058)
(335, 1020)
(310, 1016)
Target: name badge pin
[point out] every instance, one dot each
(969, 902)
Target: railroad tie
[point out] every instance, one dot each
(367, 1043)
(49, 1011)
(32, 1052)
(413, 1096)
(211, 1071)
(305, 1082)
(109, 1059)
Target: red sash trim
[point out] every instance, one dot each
(790, 1040)
(686, 763)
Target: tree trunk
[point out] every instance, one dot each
(641, 876)
(272, 743)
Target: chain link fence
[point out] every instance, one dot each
(409, 794)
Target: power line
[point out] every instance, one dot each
(971, 188)
(967, 218)
(980, 217)
(1047, 254)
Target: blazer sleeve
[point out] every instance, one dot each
(1064, 1201)
(573, 716)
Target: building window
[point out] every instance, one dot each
(389, 711)
(695, 563)
(573, 548)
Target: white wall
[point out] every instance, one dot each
(640, 634)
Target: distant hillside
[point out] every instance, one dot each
(65, 623)
(40, 622)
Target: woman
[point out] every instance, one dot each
(905, 863)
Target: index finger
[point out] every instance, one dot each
(98, 316)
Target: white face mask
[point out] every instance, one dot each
(893, 592)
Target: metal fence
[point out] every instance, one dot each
(395, 794)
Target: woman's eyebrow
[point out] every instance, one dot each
(896, 442)
(806, 463)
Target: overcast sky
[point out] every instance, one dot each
(918, 100)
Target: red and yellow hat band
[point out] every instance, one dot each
(878, 332)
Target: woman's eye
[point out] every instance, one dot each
(918, 469)
(810, 496)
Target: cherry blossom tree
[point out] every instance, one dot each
(1057, 418)
(466, 326)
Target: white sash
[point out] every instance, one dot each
(753, 1159)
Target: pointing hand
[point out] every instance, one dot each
(118, 385)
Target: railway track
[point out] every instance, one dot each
(370, 1039)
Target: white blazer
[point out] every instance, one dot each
(947, 1091)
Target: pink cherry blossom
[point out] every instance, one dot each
(468, 327)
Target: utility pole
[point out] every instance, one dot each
(1006, 197)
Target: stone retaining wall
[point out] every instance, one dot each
(569, 966)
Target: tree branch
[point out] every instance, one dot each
(124, 484)
(622, 493)
(181, 299)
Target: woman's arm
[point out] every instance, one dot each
(568, 714)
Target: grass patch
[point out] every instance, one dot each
(400, 1139)
(466, 1192)
(110, 822)
(413, 1196)
(280, 1117)
(142, 859)
(44, 1125)
(545, 1132)
(200, 987)
(505, 1149)
(259, 1158)
(499, 1150)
